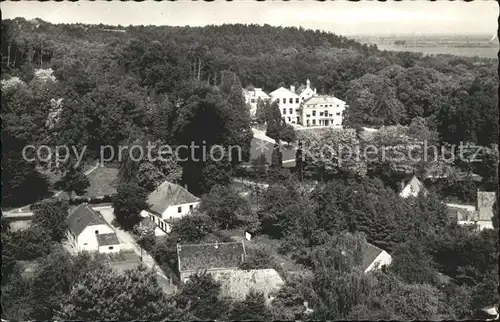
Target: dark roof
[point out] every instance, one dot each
(209, 256)
(82, 217)
(107, 239)
(370, 252)
(168, 194)
(300, 89)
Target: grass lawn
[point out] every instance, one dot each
(123, 260)
(103, 181)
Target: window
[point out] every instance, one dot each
(291, 111)
(284, 100)
(97, 232)
(252, 100)
(338, 113)
(190, 207)
(290, 100)
(110, 247)
(284, 111)
(314, 113)
(84, 244)
(297, 100)
(326, 113)
(179, 210)
(320, 113)
(314, 122)
(289, 119)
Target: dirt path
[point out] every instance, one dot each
(129, 243)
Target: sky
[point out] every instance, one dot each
(340, 17)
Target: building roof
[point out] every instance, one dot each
(238, 283)
(282, 89)
(322, 99)
(107, 239)
(412, 187)
(169, 194)
(300, 89)
(210, 256)
(369, 253)
(82, 217)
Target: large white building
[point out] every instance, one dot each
(252, 96)
(88, 231)
(304, 106)
(289, 104)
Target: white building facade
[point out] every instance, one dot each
(322, 110)
(88, 231)
(169, 202)
(304, 106)
(289, 104)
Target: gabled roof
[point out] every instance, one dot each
(412, 187)
(300, 89)
(238, 283)
(169, 194)
(82, 217)
(210, 256)
(282, 89)
(107, 239)
(369, 253)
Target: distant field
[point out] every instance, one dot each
(460, 45)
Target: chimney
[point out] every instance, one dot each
(292, 88)
(315, 91)
(216, 244)
(308, 83)
(186, 186)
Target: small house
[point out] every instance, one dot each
(88, 231)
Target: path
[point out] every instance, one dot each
(251, 183)
(128, 242)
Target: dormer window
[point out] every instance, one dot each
(179, 210)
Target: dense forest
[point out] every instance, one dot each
(95, 85)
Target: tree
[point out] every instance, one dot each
(252, 308)
(31, 243)
(201, 296)
(412, 264)
(145, 230)
(226, 208)
(128, 202)
(51, 215)
(73, 181)
(258, 258)
(193, 228)
(104, 294)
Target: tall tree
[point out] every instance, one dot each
(128, 202)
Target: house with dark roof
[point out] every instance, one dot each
(88, 231)
(222, 261)
(209, 257)
(168, 202)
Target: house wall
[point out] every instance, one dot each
(173, 212)
(87, 241)
(106, 249)
(382, 259)
(160, 223)
(314, 114)
(290, 111)
(251, 99)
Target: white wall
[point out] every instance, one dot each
(160, 223)
(106, 250)
(382, 259)
(87, 239)
(172, 212)
(289, 111)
